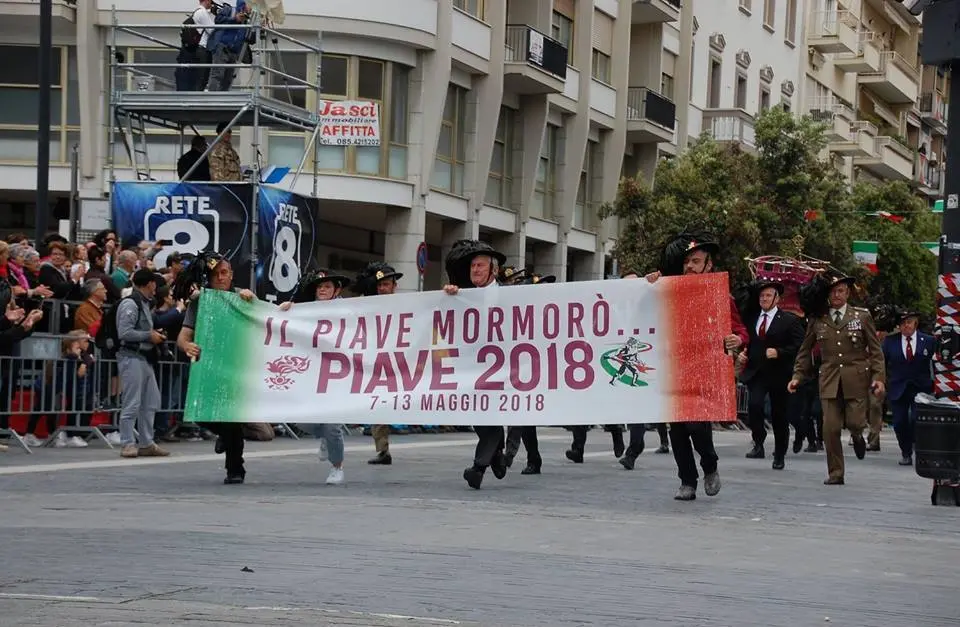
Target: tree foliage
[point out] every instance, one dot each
(783, 200)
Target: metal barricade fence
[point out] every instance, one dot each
(44, 390)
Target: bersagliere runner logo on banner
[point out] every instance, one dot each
(533, 355)
(349, 123)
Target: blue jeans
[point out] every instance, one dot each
(333, 434)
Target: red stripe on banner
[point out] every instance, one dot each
(696, 314)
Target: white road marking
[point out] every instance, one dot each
(419, 619)
(49, 597)
(209, 457)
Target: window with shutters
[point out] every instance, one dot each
(769, 13)
(452, 145)
(602, 46)
(500, 179)
(740, 96)
(585, 206)
(764, 98)
(713, 96)
(790, 28)
(562, 26)
(546, 183)
(668, 72)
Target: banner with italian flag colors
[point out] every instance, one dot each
(554, 354)
(866, 254)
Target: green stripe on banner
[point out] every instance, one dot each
(933, 247)
(217, 387)
(938, 206)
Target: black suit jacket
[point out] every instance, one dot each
(785, 334)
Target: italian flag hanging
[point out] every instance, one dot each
(866, 254)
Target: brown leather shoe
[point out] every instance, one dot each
(153, 451)
(129, 451)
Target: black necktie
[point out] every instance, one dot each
(836, 317)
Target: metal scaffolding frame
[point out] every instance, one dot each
(255, 105)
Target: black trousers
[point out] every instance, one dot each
(489, 445)
(760, 388)
(527, 435)
(637, 432)
(580, 435)
(807, 412)
(231, 433)
(684, 438)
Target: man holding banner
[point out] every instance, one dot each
(378, 278)
(690, 253)
(213, 271)
(472, 263)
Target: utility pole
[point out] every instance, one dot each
(43, 121)
(941, 47)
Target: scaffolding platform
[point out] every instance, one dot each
(199, 108)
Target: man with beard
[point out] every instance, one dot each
(378, 279)
(691, 253)
(475, 264)
(211, 270)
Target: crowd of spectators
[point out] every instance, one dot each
(62, 290)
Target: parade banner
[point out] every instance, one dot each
(191, 217)
(285, 241)
(557, 354)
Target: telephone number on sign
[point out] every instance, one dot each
(349, 141)
(454, 402)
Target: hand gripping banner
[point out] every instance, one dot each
(560, 354)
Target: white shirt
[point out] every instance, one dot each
(833, 313)
(770, 316)
(203, 17)
(913, 343)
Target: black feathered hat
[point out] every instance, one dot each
(306, 290)
(462, 253)
(759, 286)
(676, 251)
(196, 274)
(373, 273)
(510, 274)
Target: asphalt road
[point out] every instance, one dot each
(87, 538)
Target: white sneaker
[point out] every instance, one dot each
(335, 477)
(32, 441)
(322, 453)
(114, 438)
(76, 442)
(61, 440)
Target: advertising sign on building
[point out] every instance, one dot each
(349, 123)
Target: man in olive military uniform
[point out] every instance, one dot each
(852, 366)
(378, 278)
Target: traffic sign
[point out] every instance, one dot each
(422, 257)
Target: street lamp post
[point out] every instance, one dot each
(43, 130)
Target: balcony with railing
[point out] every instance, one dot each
(836, 118)
(651, 117)
(655, 11)
(928, 176)
(14, 12)
(890, 160)
(933, 111)
(832, 32)
(535, 63)
(858, 141)
(896, 81)
(866, 58)
(731, 126)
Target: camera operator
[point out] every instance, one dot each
(227, 45)
(139, 392)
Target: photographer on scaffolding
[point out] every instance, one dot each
(193, 48)
(227, 45)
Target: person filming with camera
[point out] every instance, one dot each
(137, 352)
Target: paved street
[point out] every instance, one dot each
(89, 539)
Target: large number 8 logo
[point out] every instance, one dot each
(284, 272)
(197, 239)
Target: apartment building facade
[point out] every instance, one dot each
(486, 135)
(886, 114)
(481, 138)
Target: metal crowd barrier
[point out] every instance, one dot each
(40, 387)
